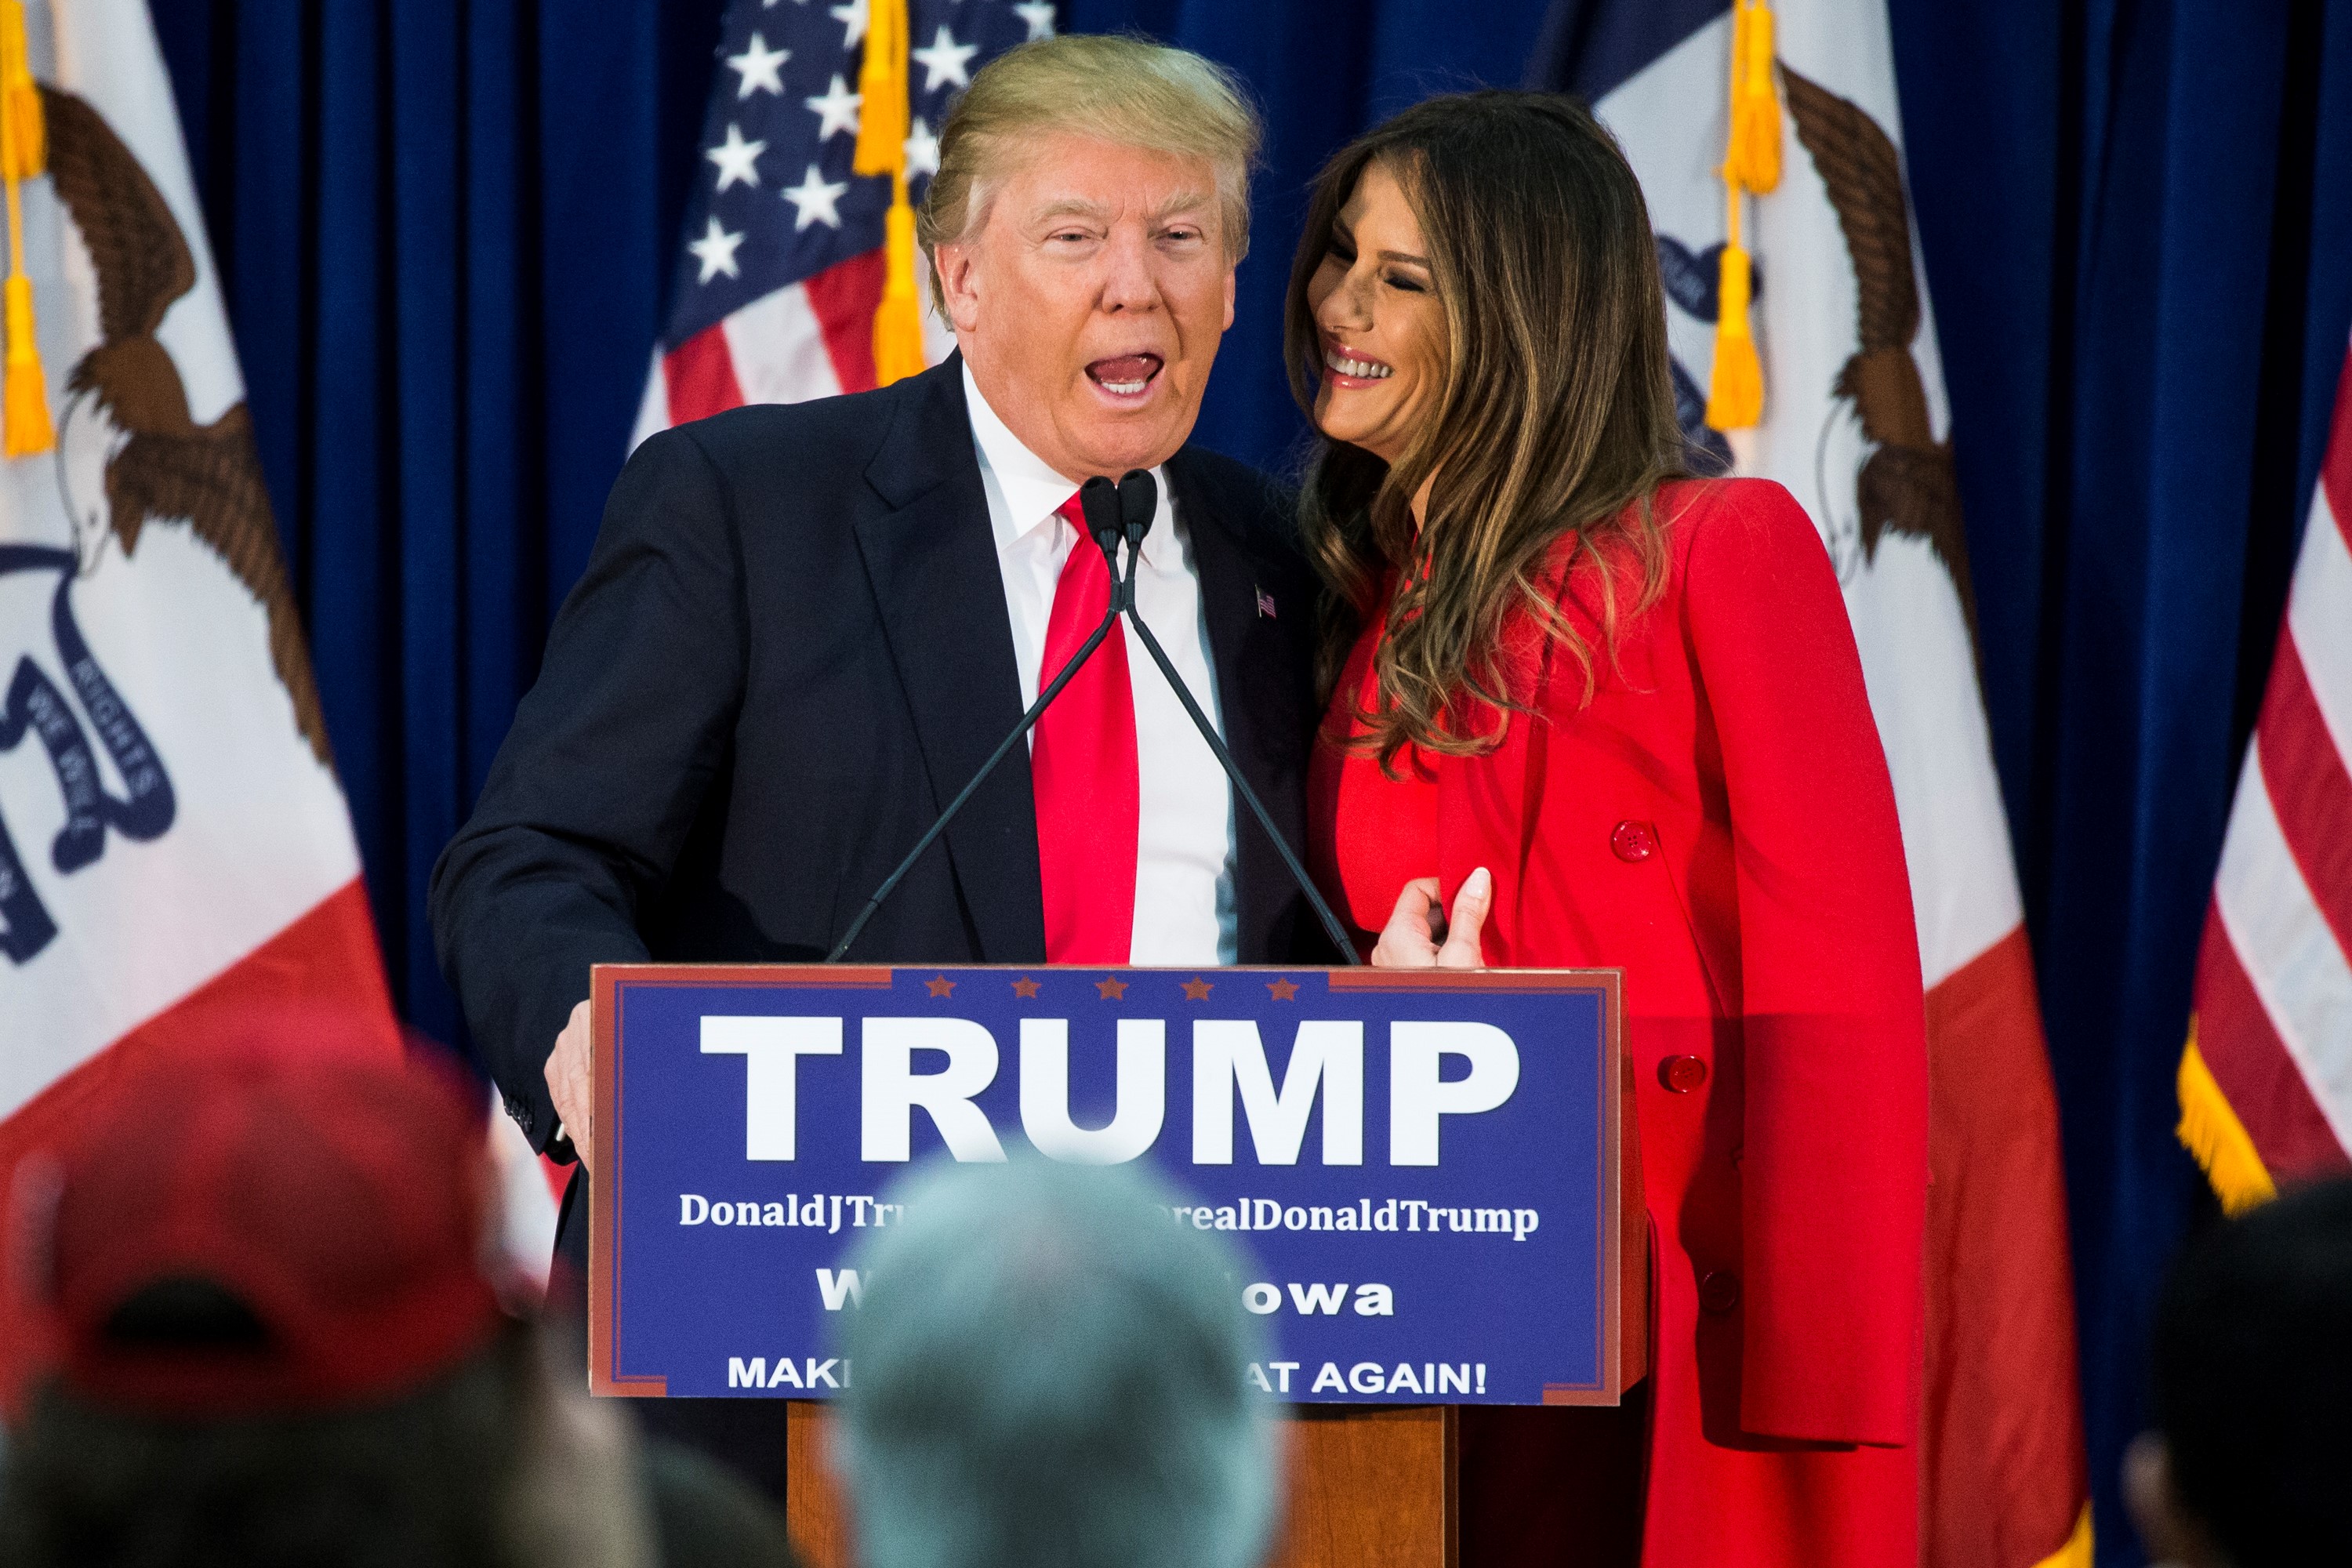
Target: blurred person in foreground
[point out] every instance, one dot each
(1587, 711)
(1050, 1373)
(263, 1336)
(2250, 1463)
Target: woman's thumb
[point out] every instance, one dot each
(1471, 902)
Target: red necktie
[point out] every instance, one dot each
(1083, 769)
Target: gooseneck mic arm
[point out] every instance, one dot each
(1100, 498)
(1138, 499)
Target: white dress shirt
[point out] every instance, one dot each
(1184, 909)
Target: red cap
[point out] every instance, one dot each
(344, 1204)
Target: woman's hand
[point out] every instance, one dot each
(1419, 936)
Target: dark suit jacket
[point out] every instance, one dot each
(789, 652)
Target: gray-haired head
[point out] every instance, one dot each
(1049, 1374)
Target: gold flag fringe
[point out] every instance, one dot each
(2076, 1553)
(2210, 1130)
(25, 427)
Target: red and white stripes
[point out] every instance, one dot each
(2266, 1082)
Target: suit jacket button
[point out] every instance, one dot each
(1682, 1074)
(1633, 841)
(1718, 1292)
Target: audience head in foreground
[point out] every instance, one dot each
(1050, 1373)
(266, 1337)
(2249, 1460)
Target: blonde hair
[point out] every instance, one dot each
(1126, 91)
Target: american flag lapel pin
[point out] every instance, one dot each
(1264, 603)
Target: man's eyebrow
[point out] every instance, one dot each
(1068, 206)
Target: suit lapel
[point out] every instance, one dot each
(931, 556)
(1264, 710)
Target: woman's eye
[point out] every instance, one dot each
(1409, 284)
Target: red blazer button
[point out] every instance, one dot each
(1718, 1292)
(1633, 841)
(1682, 1074)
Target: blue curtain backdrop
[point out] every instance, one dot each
(2137, 219)
(445, 230)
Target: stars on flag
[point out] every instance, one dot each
(945, 61)
(837, 109)
(761, 68)
(814, 200)
(922, 151)
(852, 18)
(716, 251)
(1038, 14)
(738, 160)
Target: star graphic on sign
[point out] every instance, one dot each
(1111, 988)
(716, 251)
(1197, 989)
(941, 986)
(815, 201)
(922, 150)
(837, 109)
(760, 67)
(1039, 14)
(1283, 990)
(945, 60)
(1025, 986)
(738, 160)
(852, 18)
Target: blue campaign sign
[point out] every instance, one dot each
(1421, 1169)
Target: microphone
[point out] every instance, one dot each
(1139, 501)
(1114, 513)
(1098, 501)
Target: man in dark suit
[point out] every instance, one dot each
(804, 627)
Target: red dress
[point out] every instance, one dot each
(1718, 821)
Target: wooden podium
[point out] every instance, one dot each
(1368, 1489)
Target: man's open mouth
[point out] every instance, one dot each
(1128, 376)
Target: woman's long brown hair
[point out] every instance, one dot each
(1556, 417)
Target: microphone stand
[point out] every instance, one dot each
(1136, 498)
(1095, 496)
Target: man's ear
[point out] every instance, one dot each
(2168, 1531)
(956, 282)
(1229, 299)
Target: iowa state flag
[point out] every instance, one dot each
(176, 856)
(1852, 421)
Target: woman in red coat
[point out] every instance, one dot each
(1604, 714)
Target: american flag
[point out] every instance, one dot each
(783, 262)
(2266, 1081)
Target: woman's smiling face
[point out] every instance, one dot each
(1382, 329)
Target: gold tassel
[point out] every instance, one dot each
(1735, 391)
(25, 427)
(898, 320)
(1735, 387)
(882, 150)
(20, 99)
(1752, 158)
(2210, 1130)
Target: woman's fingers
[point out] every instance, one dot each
(1461, 949)
(1410, 939)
